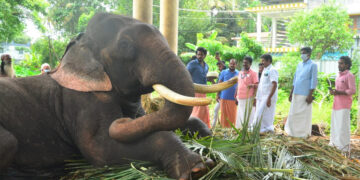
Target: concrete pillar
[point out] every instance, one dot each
(258, 27)
(273, 32)
(169, 10)
(142, 10)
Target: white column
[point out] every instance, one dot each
(273, 33)
(169, 12)
(142, 10)
(258, 27)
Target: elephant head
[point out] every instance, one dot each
(130, 58)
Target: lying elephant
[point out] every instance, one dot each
(90, 104)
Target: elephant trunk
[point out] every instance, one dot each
(174, 76)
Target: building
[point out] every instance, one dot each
(17, 51)
(275, 41)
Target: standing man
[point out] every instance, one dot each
(247, 85)
(261, 68)
(198, 70)
(298, 123)
(227, 96)
(340, 118)
(266, 95)
(221, 67)
(217, 56)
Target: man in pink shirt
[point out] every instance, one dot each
(340, 117)
(247, 84)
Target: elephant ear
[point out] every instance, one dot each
(79, 69)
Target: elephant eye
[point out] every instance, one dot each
(126, 49)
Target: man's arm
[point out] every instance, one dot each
(350, 91)
(292, 88)
(291, 92)
(274, 79)
(313, 83)
(273, 89)
(310, 98)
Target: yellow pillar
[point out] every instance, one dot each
(169, 10)
(142, 10)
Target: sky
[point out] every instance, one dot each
(32, 31)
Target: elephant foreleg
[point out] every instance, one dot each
(8, 148)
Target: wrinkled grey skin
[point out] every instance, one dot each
(46, 119)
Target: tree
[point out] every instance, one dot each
(65, 14)
(13, 14)
(48, 50)
(324, 29)
(22, 39)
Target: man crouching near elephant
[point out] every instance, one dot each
(198, 70)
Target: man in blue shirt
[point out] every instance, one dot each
(227, 96)
(298, 123)
(198, 70)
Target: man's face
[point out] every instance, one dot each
(232, 65)
(220, 66)
(45, 69)
(200, 55)
(265, 62)
(261, 68)
(342, 66)
(217, 57)
(305, 54)
(246, 64)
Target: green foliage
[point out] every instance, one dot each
(191, 22)
(22, 39)
(30, 66)
(324, 29)
(24, 49)
(84, 20)
(48, 50)
(65, 14)
(186, 57)
(288, 63)
(13, 13)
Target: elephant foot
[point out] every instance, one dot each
(192, 167)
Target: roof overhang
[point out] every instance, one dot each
(279, 10)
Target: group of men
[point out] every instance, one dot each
(253, 99)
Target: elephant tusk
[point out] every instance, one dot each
(199, 88)
(180, 99)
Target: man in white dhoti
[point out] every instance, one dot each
(298, 123)
(266, 96)
(247, 84)
(340, 118)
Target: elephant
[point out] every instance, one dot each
(90, 104)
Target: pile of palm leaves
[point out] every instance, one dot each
(241, 154)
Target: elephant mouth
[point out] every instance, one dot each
(192, 101)
(199, 88)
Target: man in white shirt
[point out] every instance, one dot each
(266, 96)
